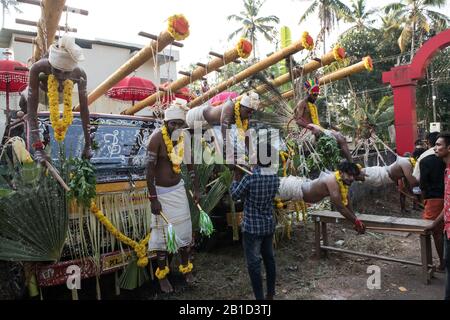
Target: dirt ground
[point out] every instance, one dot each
(221, 273)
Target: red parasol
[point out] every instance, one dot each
(13, 78)
(132, 89)
(222, 97)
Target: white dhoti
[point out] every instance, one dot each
(291, 188)
(175, 206)
(377, 176)
(195, 115)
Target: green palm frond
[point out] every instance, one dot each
(311, 9)
(34, 223)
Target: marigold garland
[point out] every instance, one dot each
(412, 161)
(140, 248)
(284, 156)
(186, 269)
(368, 64)
(175, 158)
(161, 274)
(307, 41)
(314, 113)
(279, 204)
(175, 21)
(241, 126)
(244, 48)
(60, 126)
(342, 188)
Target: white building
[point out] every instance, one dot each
(102, 58)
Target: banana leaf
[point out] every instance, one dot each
(133, 276)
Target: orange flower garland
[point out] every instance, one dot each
(307, 41)
(339, 53)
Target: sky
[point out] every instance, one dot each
(209, 28)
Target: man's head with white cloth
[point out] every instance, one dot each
(64, 57)
(249, 104)
(175, 115)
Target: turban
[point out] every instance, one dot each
(66, 54)
(250, 100)
(176, 111)
(312, 86)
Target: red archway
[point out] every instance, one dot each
(403, 80)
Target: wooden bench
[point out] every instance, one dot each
(373, 222)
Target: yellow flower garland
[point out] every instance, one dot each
(140, 248)
(342, 188)
(60, 126)
(186, 269)
(284, 156)
(175, 158)
(307, 41)
(279, 204)
(241, 126)
(171, 29)
(413, 162)
(161, 274)
(314, 113)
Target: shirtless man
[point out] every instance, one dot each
(62, 62)
(168, 195)
(223, 115)
(378, 176)
(299, 188)
(306, 116)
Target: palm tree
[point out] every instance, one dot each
(330, 11)
(417, 17)
(252, 24)
(359, 16)
(6, 4)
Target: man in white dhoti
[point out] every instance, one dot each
(168, 195)
(334, 185)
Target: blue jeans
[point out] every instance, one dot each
(447, 266)
(255, 247)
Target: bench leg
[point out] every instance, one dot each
(426, 257)
(317, 238)
(324, 236)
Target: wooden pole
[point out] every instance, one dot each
(197, 74)
(142, 56)
(365, 64)
(305, 43)
(47, 26)
(337, 54)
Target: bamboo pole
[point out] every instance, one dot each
(47, 26)
(197, 74)
(142, 56)
(365, 64)
(305, 43)
(337, 54)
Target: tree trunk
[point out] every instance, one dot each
(412, 39)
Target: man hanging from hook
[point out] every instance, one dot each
(306, 116)
(57, 74)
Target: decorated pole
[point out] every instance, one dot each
(365, 64)
(242, 50)
(47, 26)
(178, 29)
(306, 42)
(337, 54)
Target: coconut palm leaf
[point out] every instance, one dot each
(34, 223)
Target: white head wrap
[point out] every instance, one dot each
(66, 55)
(176, 111)
(250, 100)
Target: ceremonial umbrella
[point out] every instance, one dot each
(222, 97)
(132, 89)
(13, 79)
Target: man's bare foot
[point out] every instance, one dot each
(189, 277)
(165, 285)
